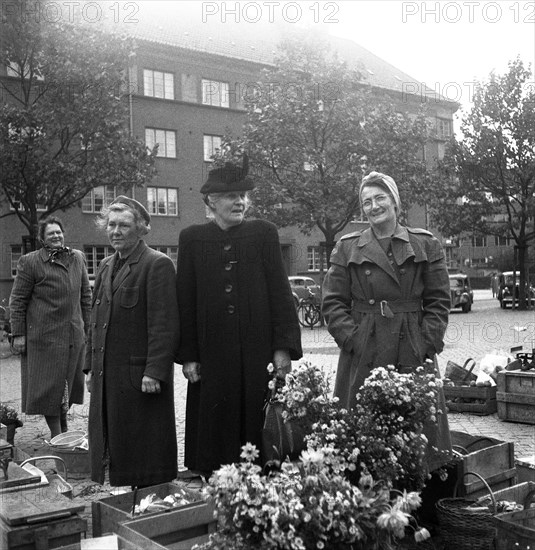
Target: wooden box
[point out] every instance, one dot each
(108, 513)
(39, 519)
(516, 396)
(516, 493)
(467, 399)
(178, 529)
(492, 459)
(515, 530)
(525, 468)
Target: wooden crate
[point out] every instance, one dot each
(491, 458)
(515, 530)
(516, 396)
(516, 493)
(109, 512)
(39, 519)
(178, 529)
(469, 395)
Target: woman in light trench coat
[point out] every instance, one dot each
(386, 298)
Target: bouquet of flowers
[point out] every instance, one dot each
(309, 504)
(385, 431)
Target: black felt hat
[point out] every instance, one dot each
(229, 177)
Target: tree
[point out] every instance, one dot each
(64, 118)
(313, 129)
(486, 182)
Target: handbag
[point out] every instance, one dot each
(280, 439)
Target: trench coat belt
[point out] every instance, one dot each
(395, 306)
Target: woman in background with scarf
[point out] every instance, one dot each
(50, 306)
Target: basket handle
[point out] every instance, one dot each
(46, 457)
(467, 362)
(483, 438)
(487, 486)
(461, 450)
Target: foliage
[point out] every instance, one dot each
(8, 415)
(305, 505)
(486, 182)
(314, 128)
(64, 119)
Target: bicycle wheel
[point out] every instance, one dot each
(308, 315)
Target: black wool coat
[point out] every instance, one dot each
(236, 309)
(134, 332)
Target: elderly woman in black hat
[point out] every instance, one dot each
(237, 316)
(386, 296)
(133, 339)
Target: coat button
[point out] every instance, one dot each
(401, 335)
(97, 302)
(371, 301)
(227, 247)
(228, 267)
(231, 309)
(368, 272)
(402, 271)
(228, 288)
(100, 373)
(101, 350)
(104, 325)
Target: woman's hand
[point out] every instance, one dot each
(192, 371)
(150, 385)
(282, 363)
(19, 344)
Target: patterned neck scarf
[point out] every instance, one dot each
(58, 254)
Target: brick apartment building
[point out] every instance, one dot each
(188, 82)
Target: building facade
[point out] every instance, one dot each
(188, 85)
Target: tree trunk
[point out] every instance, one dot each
(522, 254)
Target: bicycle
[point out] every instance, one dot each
(309, 311)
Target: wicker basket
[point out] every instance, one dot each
(458, 374)
(463, 529)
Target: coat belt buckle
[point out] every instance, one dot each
(385, 310)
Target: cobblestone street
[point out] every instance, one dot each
(474, 334)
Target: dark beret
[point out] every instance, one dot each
(229, 177)
(135, 205)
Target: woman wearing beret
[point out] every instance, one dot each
(237, 316)
(132, 342)
(50, 304)
(386, 296)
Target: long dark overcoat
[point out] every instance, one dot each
(413, 279)
(236, 309)
(134, 332)
(50, 304)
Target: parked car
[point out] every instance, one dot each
(461, 292)
(302, 287)
(505, 292)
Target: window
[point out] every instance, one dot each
(212, 144)
(315, 257)
(215, 93)
(16, 253)
(14, 69)
(171, 251)
(97, 198)
(479, 240)
(166, 140)
(40, 206)
(162, 201)
(444, 128)
(94, 255)
(502, 240)
(158, 84)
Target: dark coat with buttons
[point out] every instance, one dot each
(417, 291)
(134, 332)
(49, 304)
(236, 309)
(413, 280)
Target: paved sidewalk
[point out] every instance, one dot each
(469, 335)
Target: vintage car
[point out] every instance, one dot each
(461, 292)
(505, 292)
(303, 287)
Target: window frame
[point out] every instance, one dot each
(170, 251)
(162, 151)
(212, 136)
(153, 205)
(106, 198)
(93, 259)
(15, 257)
(165, 87)
(221, 98)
